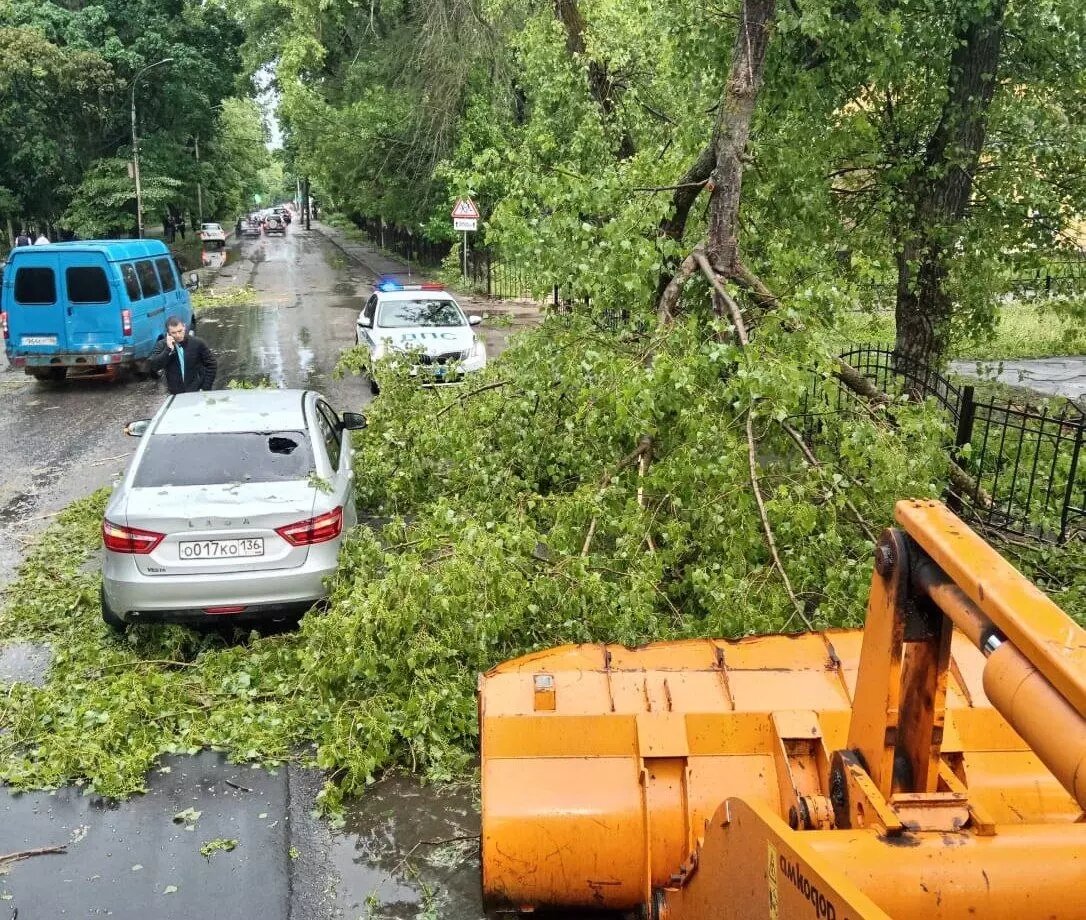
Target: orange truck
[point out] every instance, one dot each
(930, 765)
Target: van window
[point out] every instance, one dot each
(35, 285)
(165, 272)
(131, 282)
(87, 285)
(148, 278)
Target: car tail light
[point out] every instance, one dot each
(126, 322)
(129, 539)
(234, 608)
(319, 529)
(4, 325)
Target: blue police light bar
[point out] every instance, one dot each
(388, 284)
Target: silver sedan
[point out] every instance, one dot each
(234, 507)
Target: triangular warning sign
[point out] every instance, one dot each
(465, 207)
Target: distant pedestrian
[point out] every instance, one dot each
(23, 239)
(42, 240)
(181, 226)
(187, 362)
(170, 226)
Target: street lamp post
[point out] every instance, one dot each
(136, 147)
(199, 183)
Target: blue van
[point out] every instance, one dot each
(91, 306)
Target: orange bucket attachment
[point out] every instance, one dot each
(603, 767)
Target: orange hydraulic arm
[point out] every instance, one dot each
(933, 765)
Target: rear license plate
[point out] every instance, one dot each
(39, 340)
(223, 549)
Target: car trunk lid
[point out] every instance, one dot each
(217, 529)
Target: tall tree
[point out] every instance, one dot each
(935, 198)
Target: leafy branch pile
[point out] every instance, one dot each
(579, 491)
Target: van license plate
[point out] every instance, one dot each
(39, 340)
(223, 549)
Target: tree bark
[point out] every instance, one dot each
(732, 132)
(938, 195)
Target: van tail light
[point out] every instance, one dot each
(319, 529)
(4, 325)
(129, 539)
(126, 322)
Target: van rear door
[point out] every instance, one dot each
(34, 304)
(93, 308)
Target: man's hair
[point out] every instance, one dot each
(174, 321)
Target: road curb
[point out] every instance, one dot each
(354, 257)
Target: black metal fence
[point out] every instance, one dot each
(493, 276)
(1027, 462)
(403, 241)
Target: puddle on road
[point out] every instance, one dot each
(409, 850)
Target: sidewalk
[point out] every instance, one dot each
(521, 314)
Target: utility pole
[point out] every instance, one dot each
(308, 207)
(199, 185)
(136, 147)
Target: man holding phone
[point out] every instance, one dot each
(186, 361)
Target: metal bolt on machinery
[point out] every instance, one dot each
(932, 764)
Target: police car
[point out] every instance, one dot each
(426, 325)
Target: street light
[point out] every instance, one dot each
(136, 146)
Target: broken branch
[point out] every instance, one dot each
(27, 854)
(766, 528)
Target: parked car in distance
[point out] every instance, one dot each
(250, 227)
(213, 234)
(273, 223)
(93, 307)
(425, 324)
(233, 508)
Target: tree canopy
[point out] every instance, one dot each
(66, 85)
(916, 151)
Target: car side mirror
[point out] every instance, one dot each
(137, 429)
(366, 322)
(354, 421)
(193, 284)
(475, 320)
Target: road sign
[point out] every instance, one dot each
(465, 208)
(465, 223)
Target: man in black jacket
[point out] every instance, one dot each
(187, 362)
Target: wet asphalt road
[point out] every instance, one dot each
(60, 442)
(130, 859)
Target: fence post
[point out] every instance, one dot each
(489, 279)
(967, 413)
(1069, 493)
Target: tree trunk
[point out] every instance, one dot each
(686, 192)
(938, 195)
(601, 84)
(732, 132)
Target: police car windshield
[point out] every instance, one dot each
(401, 314)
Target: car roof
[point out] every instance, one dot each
(224, 411)
(113, 250)
(415, 295)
